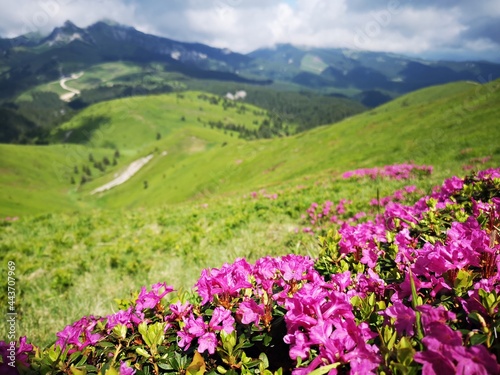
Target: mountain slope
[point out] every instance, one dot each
(448, 125)
(451, 131)
(105, 138)
(351, 72)
(29, 61)
(70, 48)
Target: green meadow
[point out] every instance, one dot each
(192, 206)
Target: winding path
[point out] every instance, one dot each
(132, 169)
(72, 92)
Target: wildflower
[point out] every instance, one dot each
(149, 300)
(251, 312)
(125, 369)
(127, 318)
(404, 316)
(78, 331)
(21, 355)
(225, 282)
(205, 332)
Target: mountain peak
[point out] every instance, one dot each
(69, 25)
(106, 23)
(65, 34)
(110, 22)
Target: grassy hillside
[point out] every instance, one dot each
(62, 258)
(443, 125)
(42, 106)
(134, 123)
(37, 179)
(457, 123)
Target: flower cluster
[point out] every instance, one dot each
(394, 172)
(398, 196)
(323, 216)
(434, 270)
(476, 161)
(322, 330)
(262, 193)
(416, 289)
(15, 355)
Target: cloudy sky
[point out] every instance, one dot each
(453, 29)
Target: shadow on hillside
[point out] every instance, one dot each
(86, 130)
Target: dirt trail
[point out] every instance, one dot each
(72, 92)
(132, 169)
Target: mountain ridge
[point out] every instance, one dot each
(29, 65)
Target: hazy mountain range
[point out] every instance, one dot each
(69, 48)
(30, 62)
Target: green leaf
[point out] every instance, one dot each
(405, 351)
(228, 341)
(54, 353)
(166, 366)
(111, 371)
(478, 339)
(105, 344)
(120, 331)
(265, 361)
(221, 370)
(143, 352)
(325, 369)
(76, 371)
(197, 367)
(153, 334)
(82, 361)
(356, 301)
(73, 357)
(371, 300)
(463, 282)
(415, 301)
(390, 336)
(267, 340)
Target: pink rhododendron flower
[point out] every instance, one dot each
(251, 312)
(225, 282)
(127, 318)
(207, 342)
(404, 316)
(125, 369)
(149, 300)
(21, 351)
(180, 310)
(79, 334)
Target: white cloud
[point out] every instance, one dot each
(23, 16)
(400, 26)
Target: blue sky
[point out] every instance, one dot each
(444, 29)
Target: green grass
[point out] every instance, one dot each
(70, 265)
(445, 132)
(37, 179)
(133, 123)
(196, 211)
(54, 87)
(95, 76)
(104, 73)
(444, 126)
(313, 64)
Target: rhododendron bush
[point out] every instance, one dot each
(414, 290)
